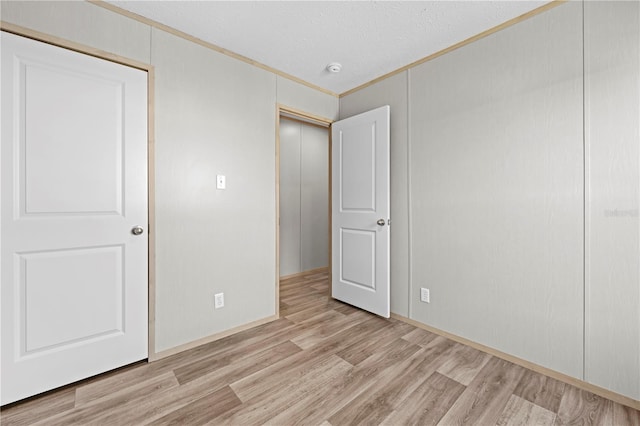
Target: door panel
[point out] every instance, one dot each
(360, 216)
(74, 183)
(96, 279)
(358, 168)
(358, 257)
(47, 187)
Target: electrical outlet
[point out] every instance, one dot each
(218, 300)
(424, 295)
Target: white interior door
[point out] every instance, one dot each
(74, 184)
(360, 211)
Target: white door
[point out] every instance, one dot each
(360, 211)
(74, 184)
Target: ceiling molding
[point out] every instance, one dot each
(206, 44)
(470, 40)
(227, 52)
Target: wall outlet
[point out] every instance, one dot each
(424, 295)
(218, 300)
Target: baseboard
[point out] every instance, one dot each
(177, 349)
(309, 272)
(605, 393)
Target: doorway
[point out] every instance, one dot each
(303, 196)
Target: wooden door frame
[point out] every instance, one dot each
(149, 69)
(312, 119)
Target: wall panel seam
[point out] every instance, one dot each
(585, 213)
(638, 94)
(409, 193)
(300, 159)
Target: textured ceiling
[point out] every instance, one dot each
(300, 38)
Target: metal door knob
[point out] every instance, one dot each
(137, 230)
(380, 222)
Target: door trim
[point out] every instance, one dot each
(149, 69)
(312, 119)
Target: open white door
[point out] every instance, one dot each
(73, 219)
(360, 211)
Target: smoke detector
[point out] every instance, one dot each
(334, 67)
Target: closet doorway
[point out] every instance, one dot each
(303, 181)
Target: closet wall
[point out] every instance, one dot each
(304, 197)
(523, 158)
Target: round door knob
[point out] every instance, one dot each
(380, 222)
(137, 230)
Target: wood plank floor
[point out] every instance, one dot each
(323, 363)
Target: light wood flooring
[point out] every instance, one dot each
(323, 363)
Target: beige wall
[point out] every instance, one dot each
(502, 165)
(496, 190)
(206, 237)
(214, 115)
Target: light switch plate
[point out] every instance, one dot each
(424, 295)
(221, 182)
(218, 300)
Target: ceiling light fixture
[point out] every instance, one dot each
(334, 67)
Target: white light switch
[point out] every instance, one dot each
(221, 182)
(218, 300)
